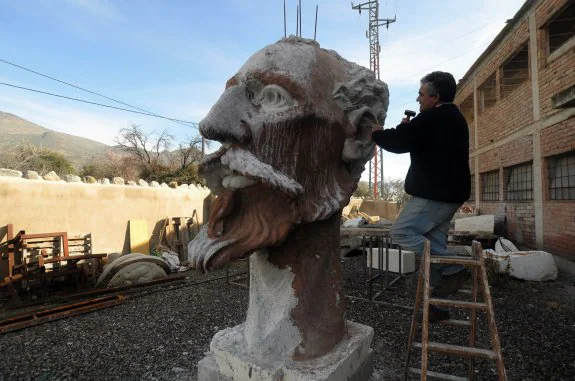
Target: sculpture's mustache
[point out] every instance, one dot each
(236, 168)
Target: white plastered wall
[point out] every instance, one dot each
(103, 210)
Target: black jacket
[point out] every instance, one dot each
(438, 143)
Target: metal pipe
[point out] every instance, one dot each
(297, 21)
(315, 28)
(300, 18)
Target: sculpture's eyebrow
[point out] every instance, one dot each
(271, 78)
(232, 82)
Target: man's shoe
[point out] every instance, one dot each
(450, 284)
(435, 314)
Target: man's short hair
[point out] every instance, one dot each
(441, 83)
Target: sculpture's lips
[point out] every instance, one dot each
(236, 167)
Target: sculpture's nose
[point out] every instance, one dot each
(228, 120)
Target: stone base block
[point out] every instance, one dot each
(228, 360)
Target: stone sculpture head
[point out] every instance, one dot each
(295, 127)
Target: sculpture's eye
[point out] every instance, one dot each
(275, 98)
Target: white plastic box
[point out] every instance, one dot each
(407, 260)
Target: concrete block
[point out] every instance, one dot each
(407, 260)
(228, 360)
(485, 223)
(535, 266)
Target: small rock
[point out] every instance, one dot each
(184, 186)
(154, 184)
(164, 185)
(33, 175)
(118, 181)
(72, 179)
(51, 176)
(105, 181)
(132, 183)
(173, 184)
(142, 183)
(10, 172)
(90, 180)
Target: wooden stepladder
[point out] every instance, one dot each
(423, 299)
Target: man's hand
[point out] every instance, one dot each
(376, 127)
(405, 120)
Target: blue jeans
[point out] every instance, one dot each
(423, 219)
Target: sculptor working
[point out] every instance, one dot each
(438, 178)
(295, 126)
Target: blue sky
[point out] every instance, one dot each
(173, 57)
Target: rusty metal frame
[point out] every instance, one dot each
(242, 279)
(45, 316)
(381, 238)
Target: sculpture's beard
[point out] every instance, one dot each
(242, 221)
(261, 201)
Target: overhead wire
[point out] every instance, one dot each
(144, 111)
(97, 104)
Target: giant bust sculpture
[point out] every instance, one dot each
(295, 125)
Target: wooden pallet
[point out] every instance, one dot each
(177, 232)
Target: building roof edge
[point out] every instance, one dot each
(510, 24)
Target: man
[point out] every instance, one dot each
(438, 178)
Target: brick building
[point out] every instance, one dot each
(519, 101)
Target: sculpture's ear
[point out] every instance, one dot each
(359, 146)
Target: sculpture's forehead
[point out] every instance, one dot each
(296, 61)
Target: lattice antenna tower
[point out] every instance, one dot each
(372, 7)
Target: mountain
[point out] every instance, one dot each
(15, 130)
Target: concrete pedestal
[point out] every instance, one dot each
(229, 360)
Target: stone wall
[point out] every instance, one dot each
(40, 206)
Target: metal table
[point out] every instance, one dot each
(380, 238)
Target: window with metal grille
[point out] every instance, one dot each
(519, 180)
(472, 194)
(562, 27)
(515, 71)
(490, 186)
(487, 93)
(466, 108)
(561, 170)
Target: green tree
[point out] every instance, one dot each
(28, 157)
(362, 189)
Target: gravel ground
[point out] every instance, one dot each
(161, 332)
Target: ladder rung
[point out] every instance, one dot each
(457, 303)
(465, 291)
(459, 323)
(459, 350)
(437, 375)
(455, 260)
